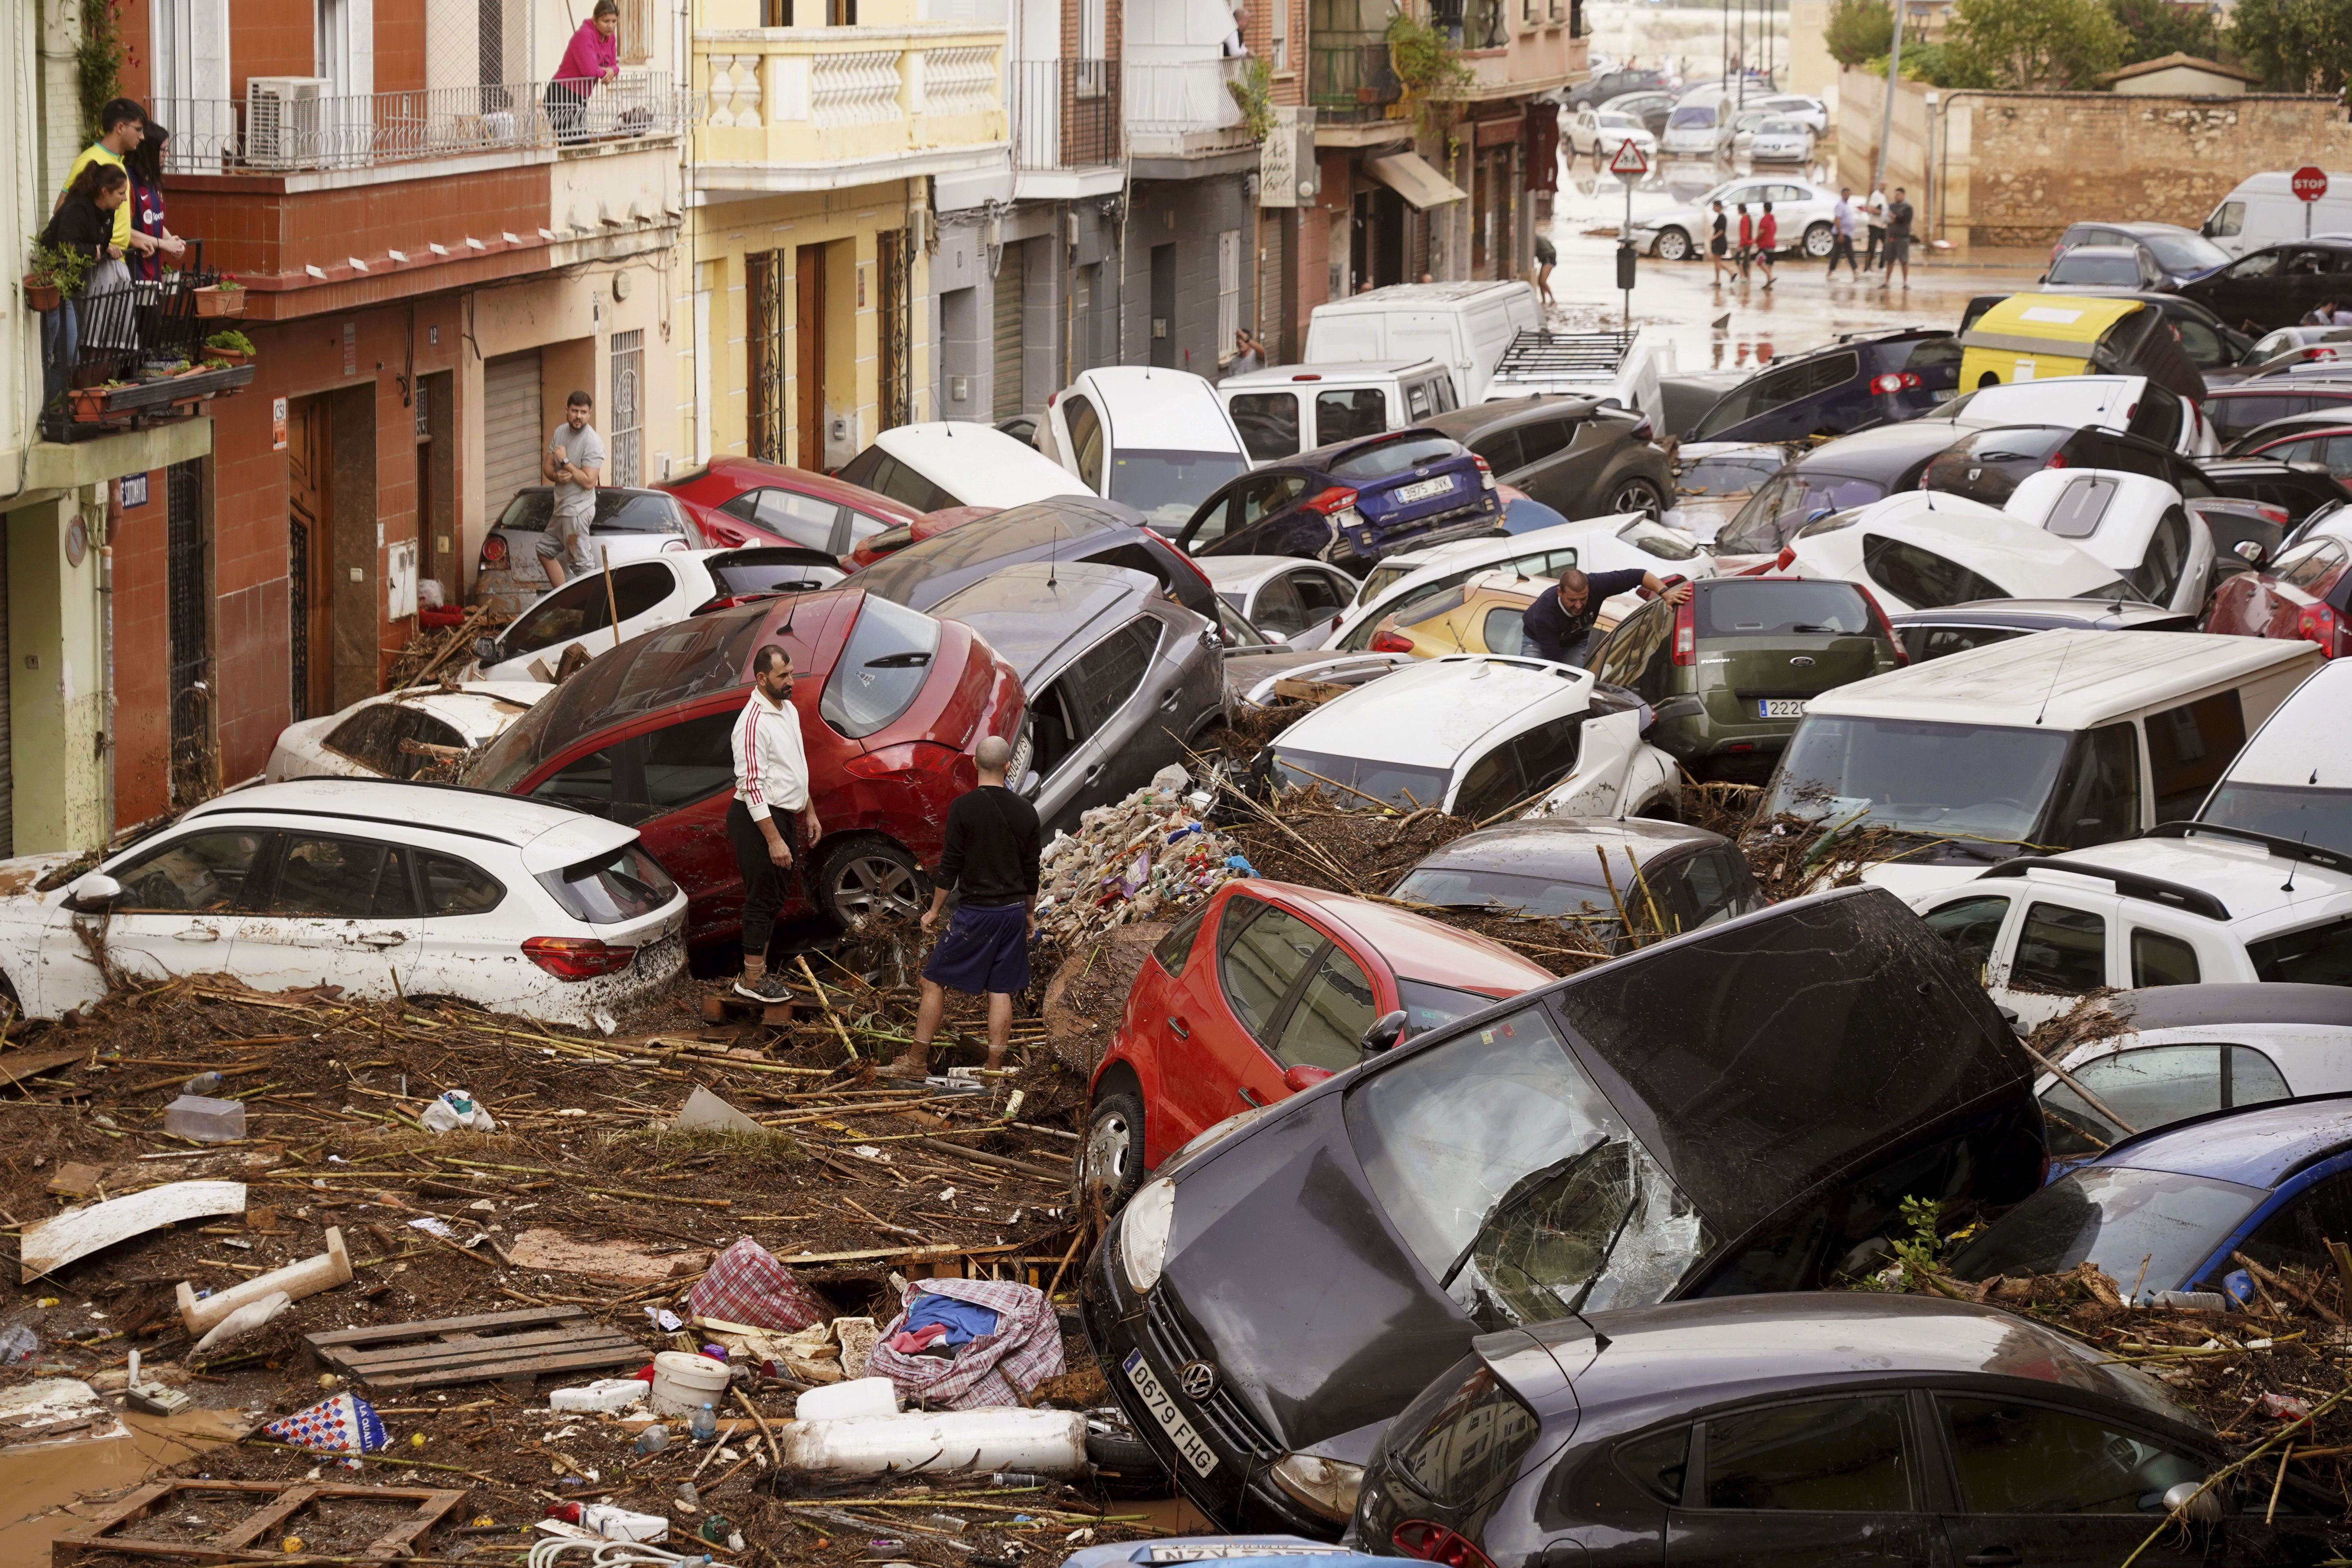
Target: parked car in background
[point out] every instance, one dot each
(2306, 593)
(2134, 403)
(1602, 86)
(1650, 107)
(1697, 131)
(1478, 736)
(1349, 504)
(1155, 440)
(2036, 741)
(1948, 629)
(2277, 285)
(2181, 255)
(1424, 1198)
(1296, 408)
(1278, 996)
(1713, 481)
(1578, 456)
(1598, 133)
(1465, 325)
(645, 594)
(1801, 207)
(2323, 437)
(742, 501)
(891, 541)
(2237, 410)
(364, 884)
(2292, 780)
(1070, 529)
(2264, 207)
(1919, 550)
(892, 704)
(2296, 345)
(2096, 268)
(1781, 139)
(1552, 869)
(1861, 380)
(2172, 1209)
(952, 462)
(1121, 681)
(1852, 472)
(1807, 111)
(626, 525)
(421, 732)
(1750, 653)
(1281, 595)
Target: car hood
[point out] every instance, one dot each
(18, 874)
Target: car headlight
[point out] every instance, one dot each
(1329, 1487)
(1143, 1233)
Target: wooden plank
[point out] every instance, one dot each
(78, 1233)
(1309, 691)
(583, 1362)
(471, 1352)
(18, 1066)
(386, 1331)
(432, 1505)
(270, 1517)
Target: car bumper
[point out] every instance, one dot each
(1372, 541)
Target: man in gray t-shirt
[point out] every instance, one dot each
(575, 464)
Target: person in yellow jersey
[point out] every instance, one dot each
(123, 125)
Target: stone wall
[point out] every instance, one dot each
(2015, 168)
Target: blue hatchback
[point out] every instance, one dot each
(2174, 1209)
(1351, 503)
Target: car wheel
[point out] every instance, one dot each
(1672, 245)
(1659, 809)
(1819, 238)
(1111, 1163)
(868, 875)
(1123, 1454)
(1634, 493)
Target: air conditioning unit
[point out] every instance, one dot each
(285, 121)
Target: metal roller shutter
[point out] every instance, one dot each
(511, 429)
(8, 769)
(1009, 287)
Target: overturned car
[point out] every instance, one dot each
(1739, 1109)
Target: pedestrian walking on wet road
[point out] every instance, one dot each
(1898, 239)
(772, 819)
(1767, 239)
(1718, 249)
(1747, 241)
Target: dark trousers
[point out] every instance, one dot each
(566, 108)
(766, 887)
(1878, 239)
(1841, 248)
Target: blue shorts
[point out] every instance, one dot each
(985, 950)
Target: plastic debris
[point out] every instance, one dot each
(19, 1344)
(604, 1393)
(203, 1083)
(653, 1439)
(203, 1120)
(456, 1109)
(245, 1320)
(346, 1423)
(612, 1522)
(706, 1112)
(1150, 856)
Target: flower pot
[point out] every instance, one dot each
(88, 403)
(43, 297)
(230, 357)
(220, 302)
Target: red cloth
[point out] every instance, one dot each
(748, 1286)
(589, 56)
(1541, 134)
(1768, 233)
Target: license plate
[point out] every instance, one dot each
(1442, 485)
(1779, 707)
(1156, 1399)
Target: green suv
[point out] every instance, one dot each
(1750, 652)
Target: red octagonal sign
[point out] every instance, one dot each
(2309, 184)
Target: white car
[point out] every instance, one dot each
(1801, 209)
(366, 884)
(2293, 779)
(1601, 132)
(1158, 440)
(1778, 139)
(1697, 131)
(626, 525)
(399, 734)
(1919, 550)
(955, 462)
(2187, 903)
(2132, 404)
(1810, 112)
(647, 593)
(2133, 523)
(1482, 736)
(1281, 595)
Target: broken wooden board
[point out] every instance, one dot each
(78, 1233)
(554, 1251)
(1310, 691)
(75, 1180)
(18, 1066)
(719, 1009)
(244, 1541)
(435, 1353)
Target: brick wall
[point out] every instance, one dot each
(140, 608)
(251, 225)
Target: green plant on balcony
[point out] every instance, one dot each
(234, 342)
(98, 63)
(1431, 72)
(1255, 93)
(55, 272)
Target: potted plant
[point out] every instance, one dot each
(228, 348)
(225, 298)
(57, 272)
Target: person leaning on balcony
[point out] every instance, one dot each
(592, 57)
(83, 222)
(123, 125)
(1236, 45)
(144, 165)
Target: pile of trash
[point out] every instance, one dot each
(1150, 857)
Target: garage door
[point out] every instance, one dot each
(511, 430)
(1009, 286)
(7, 773)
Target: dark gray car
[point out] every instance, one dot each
(929, 572)
(1121, 680)
(1660, 875)
(1578, 456)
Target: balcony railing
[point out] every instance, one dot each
(1065, 113)
(809, 102)
(132, 356)
(1182, 106)
(285, 125)
(1351, 79)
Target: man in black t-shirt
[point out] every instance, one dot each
(1559, 625)
(990, 861)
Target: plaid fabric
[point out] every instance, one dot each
(996, 1369)
(748, 1286)
(345, 1424)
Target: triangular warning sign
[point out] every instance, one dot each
(1629, 160)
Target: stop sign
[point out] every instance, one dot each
(2309, 184)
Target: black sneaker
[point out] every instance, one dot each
(767, 988)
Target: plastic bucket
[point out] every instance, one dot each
(684, 1383)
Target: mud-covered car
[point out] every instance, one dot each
(1662, 1126)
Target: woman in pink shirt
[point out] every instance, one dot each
(592, 57)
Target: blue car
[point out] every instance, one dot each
(2170, 1210)
(1227, 1552)
(1351, 503)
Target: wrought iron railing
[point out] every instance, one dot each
(1351, 79)
(149, 325)
(1065, 113)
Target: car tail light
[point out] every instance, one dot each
(1686, 631)
(1787, 558)
(1644, 430)
(2317, 623)
(2270, 513)
(1310, 377)
(1885, 627)
(729, 601)
(1435, 1543)
(576, 958)
(494, 551)
(1339, 497)
(1889, 381)
(1385, 641)
(1485, 474)
(2057, 461)
(1185, 560)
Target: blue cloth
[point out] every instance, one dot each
(964, 1321)
(984, 950)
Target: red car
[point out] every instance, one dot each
(2306, 593)
(742, 500)
(891, 541)
(892, 703)
(1266, 989)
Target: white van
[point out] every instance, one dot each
(1160, 440)
(2263, 210)
(955, 462)
(1464, 326)
(2059, 741)
(1295, 408)
(2293, 779)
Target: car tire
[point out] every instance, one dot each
(1110, 1162)
(1820, 239)
(865, 872)
(1658, 808)
(1672, 245)
(1125, 1455)
(1631, 492)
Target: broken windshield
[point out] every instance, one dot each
(1515, 1183)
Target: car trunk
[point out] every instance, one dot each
(1762, 670)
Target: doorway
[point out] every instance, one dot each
(310, 556)
(437, 483)
(808, 319)
(188, 604)
(1163, 306)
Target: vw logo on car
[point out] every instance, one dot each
(1198, 1379)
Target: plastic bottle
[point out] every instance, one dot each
(653, 1439)
(203, 1083)
(687, 1496)
(1017, 1478)
(704, 1425)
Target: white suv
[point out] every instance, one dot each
(379, 887)
(2189, 903)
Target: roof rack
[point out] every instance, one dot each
(2309, 854)
(1535, 350)
(2130, 884)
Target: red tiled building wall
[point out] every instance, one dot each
(400, 46)
(252, 226)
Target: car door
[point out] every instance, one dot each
(2063, 948)
(336, 910)
(2241, 293)
(1215, 519)
(468, 939)
(1975, 925)
(1290, 995)
(1802, 1483)
(1088, 742)
(1550, 469)
(1274, 609)
(181, 902)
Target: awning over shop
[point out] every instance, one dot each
(1410, 175)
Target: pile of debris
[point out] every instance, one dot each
(1150, 857)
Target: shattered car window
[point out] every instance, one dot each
(2153, 1226)
(1513, 1180)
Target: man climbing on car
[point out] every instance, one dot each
(1559, 625)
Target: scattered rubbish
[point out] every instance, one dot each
(434, 1352)
(341, 1424)
(552, 1250)
(78, 1233)
(75, 1180)
(720, 1530)
(203, 1083)
(704, 1427)
(2192, 1301)
(939, 1084)
(51, 1409)
(158, 1505)
(455, 1108)
(433, 1224)
(244, 1319)
(858, 1338)
(19, 1344)
(2286, 1407)
(746, 1285)
(1018, 1351)
(653, 1439)
(958, 1442)
(686, 1496)
(604, 1393)
(1145, 857)
(612, 1522)
(664, 1319)
(683, 1380)
(308, 1277)
(843, 1401)
(706, 1112)
(204, 1120)
(1017, 1479)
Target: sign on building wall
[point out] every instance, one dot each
(1285, 160)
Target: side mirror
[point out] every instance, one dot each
(486, 648)
(2203, 1504)
(95, 891)
(2251, 549)
(1030, 784)
(1305, 1077)
(1386, 1031)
